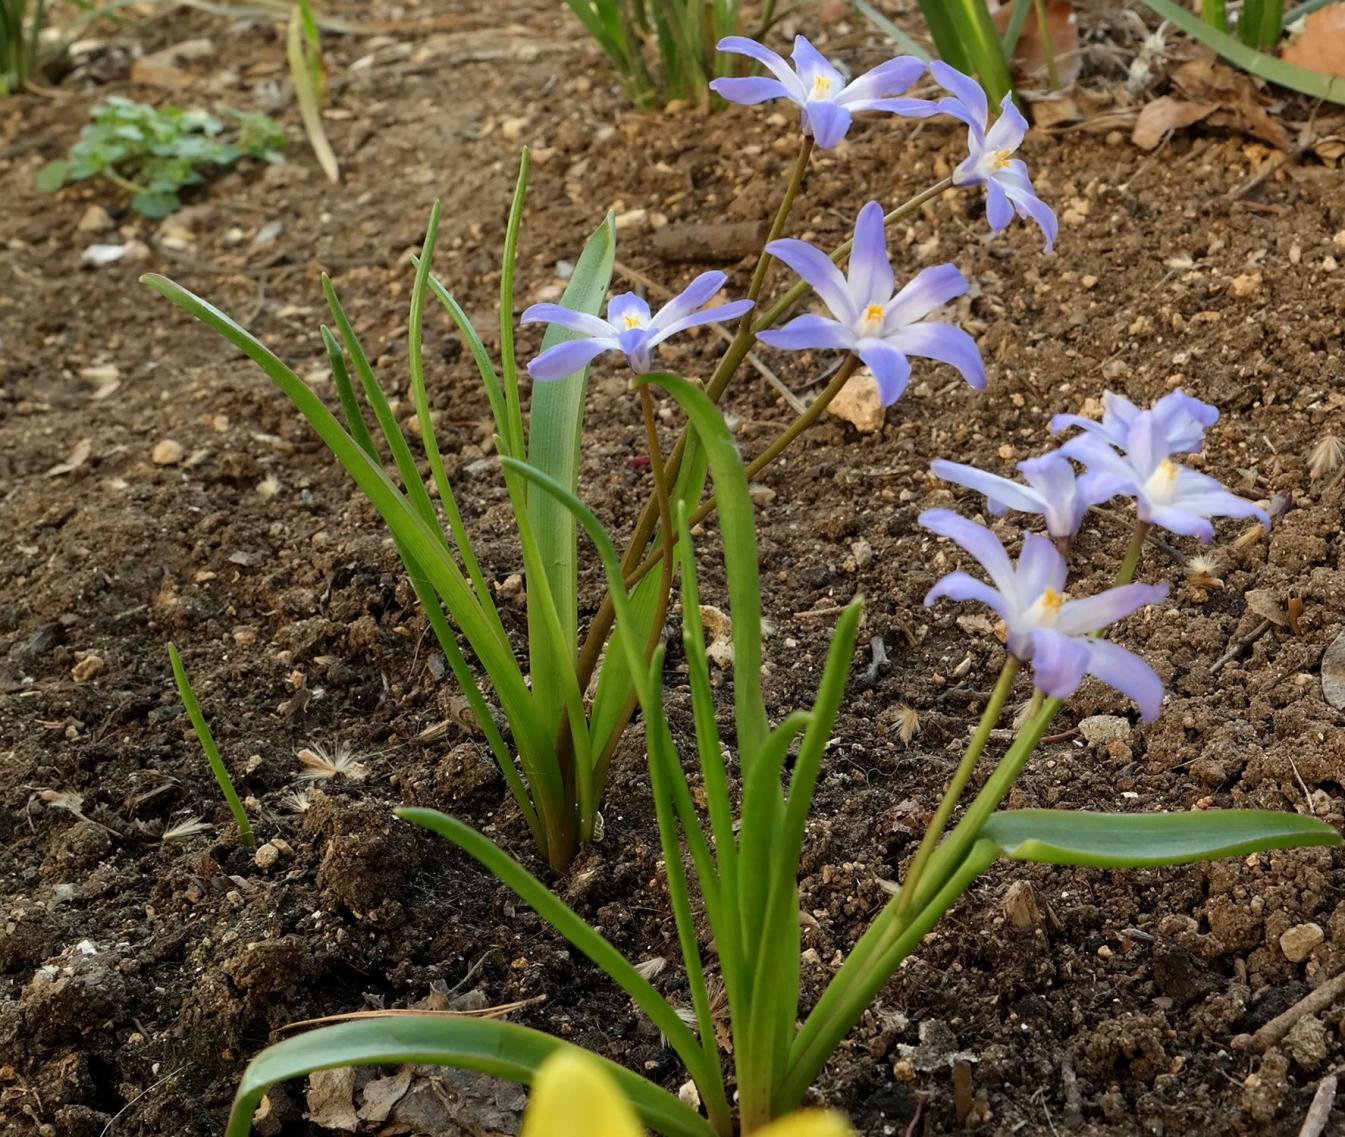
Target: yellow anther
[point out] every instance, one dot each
(821, 85)
(1052, 601)
(1002, 158)
(631, 320)
(874, 313)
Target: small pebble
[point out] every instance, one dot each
(1104, 728)
(1300, 940)
(167, 453)
(89, 665)
(95, 220)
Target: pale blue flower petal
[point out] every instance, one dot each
(568, 358)
(1129, 674)
(960, 586)
(906, 108)
(871, 280)
(720, 315)
(998, 207)
(893, 77)
(627, 310)
(820, 272)
(1001, 490)
(695, 295)
(929, 289)
(891, 369)
(827, 122)
(1059, 662)
(1009, 129)
(1175, 520)
(741, 45)
(1040, 567)
(812, 65)
(1093, 613)
(967, 91)
(810, 331)
(750, 90)
(945, 343)
(979, 542)
(580, 322)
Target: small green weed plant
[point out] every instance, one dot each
(154, 153)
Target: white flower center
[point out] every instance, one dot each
(632, 321)
(1162, 482)
(871, 323)
(1046, 608)
(821, 88)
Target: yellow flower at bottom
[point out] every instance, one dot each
(573, 1096)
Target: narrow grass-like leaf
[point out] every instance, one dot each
(1261, 24)
(425, 544)
(425, 419)
(304, 75)
(212, 754)
(1307, 82)
(1145, 840)
(738, 529)
(575, 929)
(889, 29)
(555, 434)
(488, 1046)
(489, 379)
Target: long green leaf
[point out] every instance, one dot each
(738, 529)
(1142, 840)
(1261, 24)
(212, 754)
(1301, 79)
(304, 73)
(889, 29)
(426, 544)
(485, 1045)
(555, 434)
(574, 928)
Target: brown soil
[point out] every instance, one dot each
(138, 976)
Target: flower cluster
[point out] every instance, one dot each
(1127, 453)
(869, 316)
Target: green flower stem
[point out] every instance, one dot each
(1134, 551)
(934, 831)
(766, 457)
(124, 182)
(890, 939)
(1047, 43)
(600, 629)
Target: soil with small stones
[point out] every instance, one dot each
(138, 974)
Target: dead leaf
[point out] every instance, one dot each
(331, 1099)
(1321, 46)
(1164, 115)
(78, 456)
(382, 1094)
(1029, 54)
(1265, 603)
(1333, 673)
(1239, 107)
(859, 402)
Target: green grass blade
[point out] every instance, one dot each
(345, 391)
(889, 29)
(306, 91)
(425, 544)
(1301, 79)
(942, 20)
(1145, 840)
(416, 365)
(573, 927)
(980, 41)
(212, 753)
(1014, 31)
(489, 379)
(738, 528)
(508, 263)
(1215, 13)
(555, 435)
(1261, 24)
(488, 1046)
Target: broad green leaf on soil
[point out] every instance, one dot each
(485, 1045)
(1141, 840)
(575, 929)
(556, 432)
